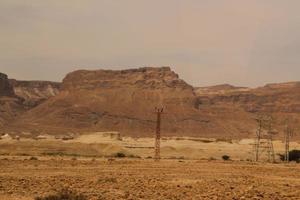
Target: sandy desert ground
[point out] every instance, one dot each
(191, 168)
(146, 179)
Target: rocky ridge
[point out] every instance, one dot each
(17, 97)
(124, 101)
(35, 92)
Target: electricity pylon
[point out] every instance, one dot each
(159, 112)
(264, 138)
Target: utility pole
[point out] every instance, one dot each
(271, 153)
(258, 137)
(159, 112)
(287, 136)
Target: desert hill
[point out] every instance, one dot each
(124, 101)
(272, 98)
(17, 97)
(280, 100)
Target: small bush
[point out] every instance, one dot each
(111, 160)
(212, 158)
(227, 140)
(294, 155)
(65, 194)
(120, 155)
(107, 180)
(134, 156)
(22, 154)
(226, 157)
(33, 158)
(74, 159)
(176, 157)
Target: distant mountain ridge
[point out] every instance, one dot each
(124, 101)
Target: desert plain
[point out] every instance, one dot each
(190, 168)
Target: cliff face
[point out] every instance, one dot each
(281, 100)
(272, 98)
(17, 97)
(10, 105)
(35, 92)
(142, 78)
(5, 87)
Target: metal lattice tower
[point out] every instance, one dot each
(159, 112)
(258, 137)
(264, 138)
(287, 136)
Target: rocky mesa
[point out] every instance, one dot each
(125, 101)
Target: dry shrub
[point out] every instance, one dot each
(294, 155)
(33, 158)
(119, 155)
(64, 194)
(134, 156)
(226, 140)
(107, 180)
(212, 159)
(226, 157)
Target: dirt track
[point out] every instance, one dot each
(145, 179)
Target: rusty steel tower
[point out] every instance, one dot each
(159, 112)
(264, 138)
(288, 133)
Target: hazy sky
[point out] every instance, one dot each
(207, 42)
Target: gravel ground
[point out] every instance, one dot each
(22, 179)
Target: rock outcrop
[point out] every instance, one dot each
(35, 92)
(6, 88)
(10, 105)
